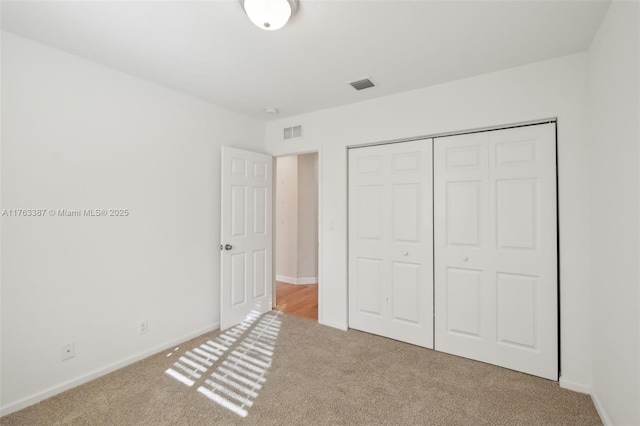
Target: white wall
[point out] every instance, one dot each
(79, 135)
(555, 88)
(308, 217)
(286, 218)
(614, 117)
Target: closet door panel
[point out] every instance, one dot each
(461, 243)
(495, 220)
(390, 241)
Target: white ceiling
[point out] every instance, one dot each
(211, 50)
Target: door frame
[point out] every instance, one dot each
(320, 225)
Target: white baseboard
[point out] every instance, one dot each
(576, 387)
(54, 390)
(296, 281)
(339, 326)
(606, 420)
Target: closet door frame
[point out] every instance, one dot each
(554, 344)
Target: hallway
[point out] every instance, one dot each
(298, 300)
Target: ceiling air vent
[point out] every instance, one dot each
(292, 132)
(365, 83)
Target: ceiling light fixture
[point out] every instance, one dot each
(269, 14)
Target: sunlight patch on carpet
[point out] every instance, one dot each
(242, 356)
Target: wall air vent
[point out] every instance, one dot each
(365, 83)
(292, 132)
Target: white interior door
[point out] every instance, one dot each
(246, 249)
(390, 241)
(496, 248)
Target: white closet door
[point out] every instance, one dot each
(391, 241)
(496, 248)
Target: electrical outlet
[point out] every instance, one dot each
(68, 351)
(144, 326)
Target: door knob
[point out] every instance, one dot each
(465, 258)
(228, 246)
(406, 253)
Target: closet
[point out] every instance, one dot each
(453, 245)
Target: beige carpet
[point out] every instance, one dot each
(320, 376)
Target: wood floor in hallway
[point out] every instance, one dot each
(298, 300)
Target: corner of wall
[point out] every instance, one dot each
(614, 111)
(604, 416)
